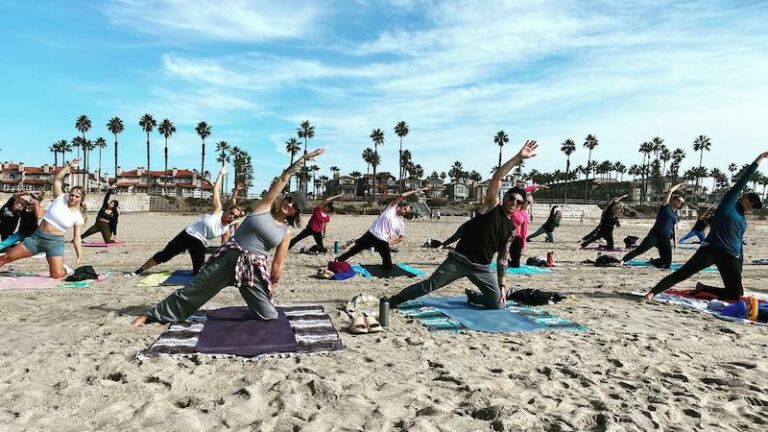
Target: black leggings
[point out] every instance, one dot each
(596, 235)
(366, 241)
(728, 265)
(515, 251)
(653, 239)
(306, 232)
(183, 242)
(99, 226)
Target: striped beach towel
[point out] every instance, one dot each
(313, 333)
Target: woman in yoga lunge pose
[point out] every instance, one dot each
(663, 230)
(548, 228)
(243, 260)
(196, 236)
(485, 235)
(702, 222)
(66, 211)
(388, 229)
(723, 246)
(519, 219)
(317, 224)
(106, 220)
(608, 221)
(28, 216)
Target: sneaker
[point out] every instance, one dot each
(129, 275)
(68, 270)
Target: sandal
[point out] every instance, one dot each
(371, 323)
(357, 325)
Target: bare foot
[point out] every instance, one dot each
(648, 297)
(139, 321)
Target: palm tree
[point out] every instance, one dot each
(401, 130)
(203, 130)
(665, 156)
(166, 129)
(716, 174)
(147, 123)
(334, 170)
(500, 139)
(54, 148)
(314, 169)
(590, 142)
(367, 156)
(732, 168)
(456, 171)
(377, 136)
(567, 147)
(65, 148)
(700, 144)
(646, 149)
(83, 125)
(115, 127)
(100, 143)
(223, 149)
(305, 131)
(620, 168)
(292, 146)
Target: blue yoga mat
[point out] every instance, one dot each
(179, 277)
(675, 266)
(524, 269)
(516, 318)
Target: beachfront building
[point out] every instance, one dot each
(179, 182)
(457, 192)
(18, 177)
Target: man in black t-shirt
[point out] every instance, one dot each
(9, 215)
(488, 233)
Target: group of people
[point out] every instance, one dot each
(499, 228)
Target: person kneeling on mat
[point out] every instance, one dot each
(663, 230)
(608, 221)
(195, 237)
(548, 228)
(489, 232)
(388, 229)
(243, 261)
(724, 245)
(106, 220)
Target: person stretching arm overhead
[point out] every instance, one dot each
(316, 227)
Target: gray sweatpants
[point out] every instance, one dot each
(456, 266)
(211, 279)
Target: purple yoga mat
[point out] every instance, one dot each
(232, 330)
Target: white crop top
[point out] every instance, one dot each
(61, 216)
(207, 227)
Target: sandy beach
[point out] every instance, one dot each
(67, 357)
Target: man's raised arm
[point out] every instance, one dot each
(494, 186)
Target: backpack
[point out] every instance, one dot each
(82, 273)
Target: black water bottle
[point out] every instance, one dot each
(384, 312)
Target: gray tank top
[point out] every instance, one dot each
(260, 233)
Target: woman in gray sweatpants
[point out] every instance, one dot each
(242, 261)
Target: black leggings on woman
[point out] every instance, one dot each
(596, 235)
(657, 240)
(366, 241)
(515, 251)
(306, 232)
(728, 265)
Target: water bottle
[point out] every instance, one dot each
(551, 259)
(336, 247)
(384, 312)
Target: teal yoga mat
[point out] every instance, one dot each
(524, 270)
(675, 266)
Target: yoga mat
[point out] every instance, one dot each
(377, 270)
(524, 269)
(234, 331)
(702, 305)
(153, 279)
(30, 281)
(515, 318)
(312, 329)
(179, 277)
(761, 261)
(101, 244)
(675, 266)
(602, 248)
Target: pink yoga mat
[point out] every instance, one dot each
(102, 244)
(32, 282)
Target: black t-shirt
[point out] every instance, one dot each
(484, 235)
(8, 219)
(28, 223)
(701, 224)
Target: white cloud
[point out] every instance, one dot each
(226, 20)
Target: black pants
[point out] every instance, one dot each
(728, 265)
(596, 235)
(183, 242)
(366, 241)
(515, 251)
(306, 232)
(657, 240)
(99, 226)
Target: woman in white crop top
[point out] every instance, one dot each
(66, 211)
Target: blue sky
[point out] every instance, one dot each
(456, 71)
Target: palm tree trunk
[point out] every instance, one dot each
(297, 177)
(202, 164)
(115, 173)
(303, 187)
(55, 160)
(98, 179)
(586, 176)
(148, 161)
(165, 173)
(567, 171)
(400, 180)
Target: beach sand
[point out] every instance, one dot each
(67, 357)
